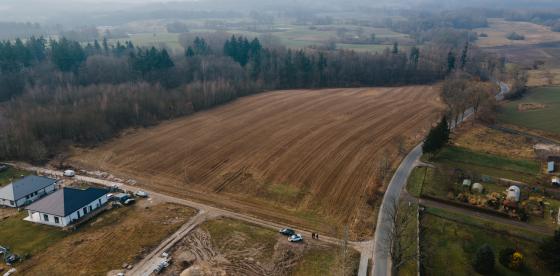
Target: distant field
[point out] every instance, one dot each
(544, 119)
(544, 77)
(499, 28)
(308, 157)
(290, 36)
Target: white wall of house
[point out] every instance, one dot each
(28, 198)
(49, 219)
(7, 202)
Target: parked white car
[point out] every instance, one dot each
(295, 238)
(141, 194)
(69, 173)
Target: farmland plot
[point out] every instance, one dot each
(305, 157)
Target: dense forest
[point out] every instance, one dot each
(550, 17)
(61, 92)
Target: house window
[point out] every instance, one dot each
(46, 217)
(85, 210)
(11, 202)
(56, 220)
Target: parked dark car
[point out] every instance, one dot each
(287, 232)
(4, 167)
(12, 259)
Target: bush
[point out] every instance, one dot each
(505, 256)
(515, 36)
(511, 258)
(484, 259)
(548, 252)
(516, 261)
(483, 35)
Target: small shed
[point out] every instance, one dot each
(513, 194)
(467, 183)
(550, 167)
(477, 188)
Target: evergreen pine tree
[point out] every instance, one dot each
(464, 55)
(450, 61)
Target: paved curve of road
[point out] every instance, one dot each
(381, 260)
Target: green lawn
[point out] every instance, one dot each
(323, 261)
(24, 237)
(410, 237)
(545, 119)
(416, 180)
(492, 165)
(450, 248)
(12, 173)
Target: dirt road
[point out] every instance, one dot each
(147, 265)
(303, 157)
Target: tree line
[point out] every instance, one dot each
(62, 92)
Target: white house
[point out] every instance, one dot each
(66, 206)
(26, 190)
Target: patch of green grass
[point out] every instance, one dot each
(461, 155)
(24, 237)
(416, 180)
(437, 182)
(484, 223)
(11, 174)
(223, 230)
(318, 261)
(545, 119)
(410, 237)
(450, 248)
(283, 192)
(315, 262)
(374, 48)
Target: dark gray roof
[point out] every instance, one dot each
(27, 185)
(66, 201)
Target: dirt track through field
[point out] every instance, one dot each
(311, 154)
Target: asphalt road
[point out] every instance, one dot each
(382, 262)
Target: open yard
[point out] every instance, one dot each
(305, 157)
(230, 247)
(490, 141)
(544, 118)
(451, 241)
(115, 237)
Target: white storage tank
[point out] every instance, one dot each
(513, 194)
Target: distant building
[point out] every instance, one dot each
(66, 206)
(26, 190)
(467, 183)
(550, 167)
(551, 163)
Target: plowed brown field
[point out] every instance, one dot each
(308, 157)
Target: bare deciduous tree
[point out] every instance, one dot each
(401, 241)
